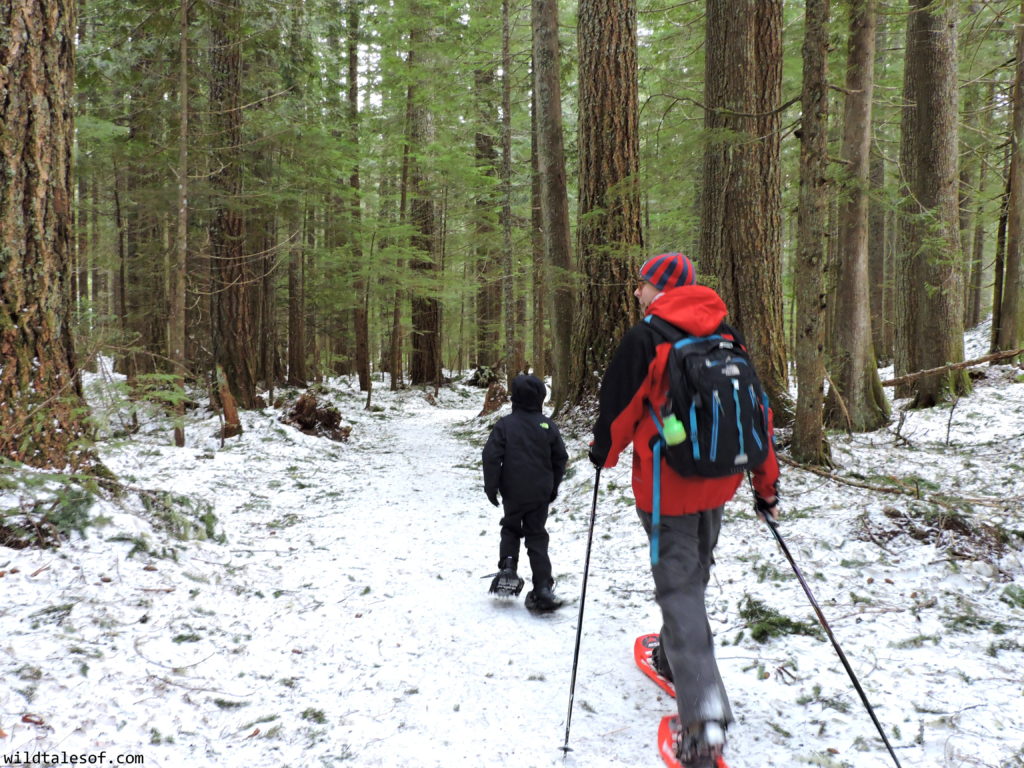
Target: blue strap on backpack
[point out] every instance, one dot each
(656, 504)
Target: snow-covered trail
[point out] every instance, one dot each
(416, 651)
(384, 624)
(344, 620)
(361, 588)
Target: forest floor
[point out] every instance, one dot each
(334, 611)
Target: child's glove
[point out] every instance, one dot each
(596, 459)
(492, 496)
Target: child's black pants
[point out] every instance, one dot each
(526, 521)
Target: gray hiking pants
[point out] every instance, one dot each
(686, 554)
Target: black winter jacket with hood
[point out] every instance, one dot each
(524, 458)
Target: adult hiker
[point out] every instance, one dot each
(632, 397)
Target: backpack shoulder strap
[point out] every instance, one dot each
(724, 329)
(665, 329)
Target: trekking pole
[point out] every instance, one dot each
(566, 749)
(773, 525)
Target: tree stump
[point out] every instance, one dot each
(312, 418)
(232, 424)
(496, 397)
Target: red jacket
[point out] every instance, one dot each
(637, 377)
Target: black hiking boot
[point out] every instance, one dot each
(542, 600)
(506, 582)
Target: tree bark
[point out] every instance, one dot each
(741, 230)
(929, 271)
(176, 330)
(508, 260)
(809, 444)
(539, 281)
(235, 276)
(879, 253)
(1011, 314)
(425, 366)
(879, 264)
(42, 412)
(297, 376)
(360, 286)
(853, 367)
(976, 271)
(554, 201)
(488, 295)
(609, 233)
(1000, 258)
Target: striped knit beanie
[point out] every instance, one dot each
(669, 270)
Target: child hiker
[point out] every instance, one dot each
(524, 460)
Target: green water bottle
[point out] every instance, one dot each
(674, 430)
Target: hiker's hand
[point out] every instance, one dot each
(596, 459)
(492, 496)
(767, 507)
(554, 495)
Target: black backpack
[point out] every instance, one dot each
(715, 420)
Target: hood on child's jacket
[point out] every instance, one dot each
(528, 392)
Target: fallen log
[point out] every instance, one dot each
(952, 367)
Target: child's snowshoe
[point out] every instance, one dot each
(506, 582)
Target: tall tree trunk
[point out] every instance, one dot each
(977, 266)
(610, 236)
(311, 238)
(143, 297)
(42, 412)
(929, 272)
(101, 291)
(488, 297)
(425, 365)
(539, 281)
(741, 231)
(234, 274)
(360, 285)
(809, 444)
(267, 296)
(554, 201)
(297, 376)
(81, 290)
(854, 370)
(176, 330)
(1011, 314)
(976, 270)
(508, 260)
(970, 169)
(879, 266)
(1000, 258)
(396, 342)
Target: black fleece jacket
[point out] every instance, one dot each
(524, 458)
